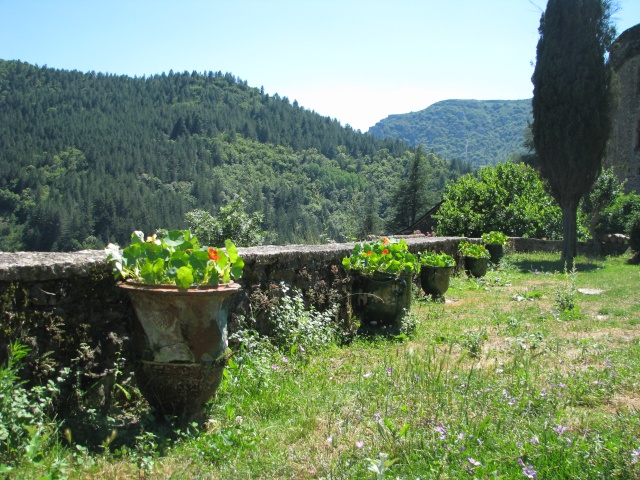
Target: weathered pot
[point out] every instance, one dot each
(476, 267)
(496, 250)
(381, 299)
(435, 280)
(181, 339)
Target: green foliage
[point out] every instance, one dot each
(26, 430)
(105, 155)
(176, 258)
(605, 192)
(384, 256)
(494, 238)
(566, 292)
(232, 222)
(298, 328)
(473, 250)
(633, 230)
(615, 217)
(508, 197)
(433, 259)
(481, 132)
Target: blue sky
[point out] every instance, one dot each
(355, 60)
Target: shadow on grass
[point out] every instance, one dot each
(555, 266)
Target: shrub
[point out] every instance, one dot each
(614, 218)
(508, 197)
(633, 230)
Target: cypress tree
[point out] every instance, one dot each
(571, 103)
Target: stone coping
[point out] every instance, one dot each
(41, 266)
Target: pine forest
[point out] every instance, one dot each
(87, 158)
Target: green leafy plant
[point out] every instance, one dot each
(384, 256)
(432, 259)
(567, 291)
(494, 238)
(633, 230)
(26, 427)
(175, 258)
(473, 250)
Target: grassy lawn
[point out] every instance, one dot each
(498, 382)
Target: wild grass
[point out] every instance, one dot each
(530, 372)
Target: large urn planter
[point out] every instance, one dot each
(435, 281)
(381, 299)
(476, 267)
(496, 251)
(180, 336)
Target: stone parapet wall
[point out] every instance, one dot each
(67, 309)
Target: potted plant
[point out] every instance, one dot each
(435, 272)
(383, 273)
(476, 258)
(495, 242)
(179, 291)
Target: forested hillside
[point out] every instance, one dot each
(86, 158)
(482, 132)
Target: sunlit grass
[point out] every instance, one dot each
(495, 383)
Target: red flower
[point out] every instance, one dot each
(369, 253)
(385, 251)
(213, 254)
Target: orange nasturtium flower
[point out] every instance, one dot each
(385, 251)
(213, 254)
(369, 253)
(385, 241)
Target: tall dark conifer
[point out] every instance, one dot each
(410, 196)
(571, 100)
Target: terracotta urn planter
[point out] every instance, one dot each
(476, 267)
(381, 299)
(435, 280)
(181, 338)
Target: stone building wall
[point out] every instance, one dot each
(624, 145)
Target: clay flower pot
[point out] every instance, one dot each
(381, 299)
(476, 267)
(496, 251)
(435, 280)
(181, 338)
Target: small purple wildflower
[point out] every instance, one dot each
(389, 370)
(560, 429)
(635, 454)
(527, 470)
(473, 462)
(534, 440)
(442, 431)
(359, 444)
(275, 367)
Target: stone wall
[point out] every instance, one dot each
(67, 309)
(624, 146)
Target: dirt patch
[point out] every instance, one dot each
(625, 402)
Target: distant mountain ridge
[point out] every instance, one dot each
(482, 132)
